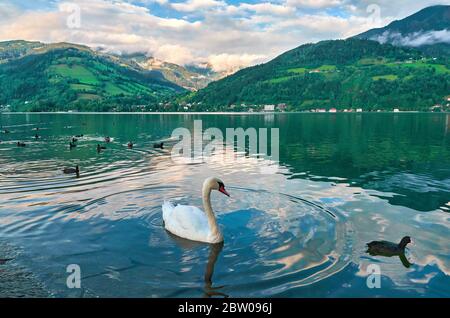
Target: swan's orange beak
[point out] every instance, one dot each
(222, 189)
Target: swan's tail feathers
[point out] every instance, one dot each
(167, 209)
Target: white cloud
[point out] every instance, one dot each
(389, 9)
(415, 39)
(174, 53)
(232, 62)
(267, 8)
(178, 23)
(160, 2)
(195, 5)
(7, 10)
(314, 3)
(224, 35)
(335, 27)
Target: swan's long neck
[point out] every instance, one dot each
(209, 211)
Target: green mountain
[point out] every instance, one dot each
(11, 50)
(50, 77)
(190, 77)
(338, 74)
(427, 30)
(404, 65)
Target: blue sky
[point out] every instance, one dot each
(227, 34)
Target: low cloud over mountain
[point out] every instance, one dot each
(414, 39)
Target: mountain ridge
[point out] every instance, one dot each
(66, 76)
(341, 74)
(427, 30)
(373, 70)
(187, 77)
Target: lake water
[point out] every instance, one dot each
(344, 180)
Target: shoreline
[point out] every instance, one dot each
(220, 113)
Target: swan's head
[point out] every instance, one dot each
(215, 184)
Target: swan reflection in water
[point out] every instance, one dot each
(214, 252)
(389, 249)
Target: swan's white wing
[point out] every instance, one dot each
(167, 209)
(190, 217)
(188, 222)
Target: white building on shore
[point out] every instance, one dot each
(269, 108)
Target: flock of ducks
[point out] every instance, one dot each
(73, 143)
(191, 223)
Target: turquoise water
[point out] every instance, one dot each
(343, 180)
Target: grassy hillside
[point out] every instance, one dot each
(342, 74)
(71, 77)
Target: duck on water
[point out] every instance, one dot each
(75, 170)
(100, 148)
(4, 260)
(389, 249)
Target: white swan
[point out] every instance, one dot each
(192, 223)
